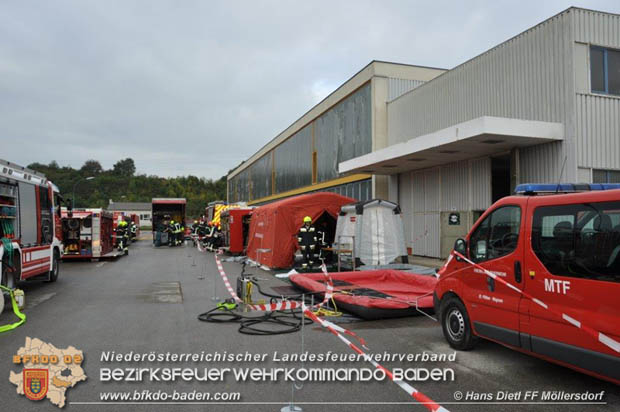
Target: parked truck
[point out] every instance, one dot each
(163, 210)
(88, 234)
(30, 226)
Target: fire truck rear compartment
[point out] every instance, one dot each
(78, 235)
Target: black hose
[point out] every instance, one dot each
(289, 322)
(286, 321)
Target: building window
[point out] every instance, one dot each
(605, 176)
(605, 70)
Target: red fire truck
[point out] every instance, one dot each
(235, 227)
(30, 226)
(88, 233)
(540, 274)
(212, 208)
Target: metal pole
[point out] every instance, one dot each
(215, 298)
(291, 407)
(74, 186)
(73, 194)
(353, 252)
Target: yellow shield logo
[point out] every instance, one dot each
(36, 383)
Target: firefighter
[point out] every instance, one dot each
(177, 233)
(210, 236)
(134, 230)
(122, 236)
(171, 234)
(308, 243)
(216, 239)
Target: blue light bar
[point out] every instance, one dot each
(535, 188)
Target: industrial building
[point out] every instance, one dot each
(544, 106)
(350, 122)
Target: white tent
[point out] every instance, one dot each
(373, 230)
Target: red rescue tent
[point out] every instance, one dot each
(272, 240)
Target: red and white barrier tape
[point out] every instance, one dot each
(413, 392)
(333, 328)
(599, 336)
(199, 248)
(281, 305)
(287, 304)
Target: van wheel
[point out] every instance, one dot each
(55, 268)
(456, 325)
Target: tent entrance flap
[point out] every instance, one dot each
(326, 224)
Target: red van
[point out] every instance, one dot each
(560, 254)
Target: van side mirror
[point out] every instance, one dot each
(460, 246)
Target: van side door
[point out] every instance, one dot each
(496, 245)
(573, 266)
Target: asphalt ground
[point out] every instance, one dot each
(149, 301)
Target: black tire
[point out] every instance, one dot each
(456, 325)
(7, 279)
(53, 274)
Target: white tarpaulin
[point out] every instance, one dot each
(376, 229)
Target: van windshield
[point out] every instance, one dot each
(581, 240)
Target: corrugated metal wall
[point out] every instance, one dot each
(361, 190)
(480, 183)
(260, 175)
(524, 78)
(398, 87)
(423, 195)
(240, 187)
(343, 132)
(293, 161)
(529, 77)
(455, 186)
(597, 117)
(595, 27)
(598, 131)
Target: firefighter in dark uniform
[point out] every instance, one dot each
(308, 241)
(122, 236)
(178, 231)
(134, 230)
(216, 239)
(171, 234)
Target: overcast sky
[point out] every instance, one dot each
(195, 87)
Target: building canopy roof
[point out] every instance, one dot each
(479, 137)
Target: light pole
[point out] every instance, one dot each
(79, 180)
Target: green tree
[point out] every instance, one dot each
(90, 168)
(125, 167)
(121, 182)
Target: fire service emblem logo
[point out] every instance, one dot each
(35, 383)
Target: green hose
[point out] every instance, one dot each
(8, 248)
(18, 313)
